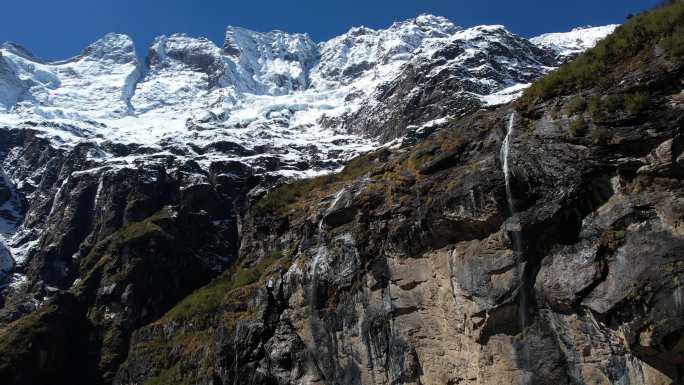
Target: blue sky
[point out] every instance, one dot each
(58, 29)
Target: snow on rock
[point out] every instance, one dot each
(569, 44)
(181, 70)
(272, 95)
(89, 86)
(366, 53)
(450, 76)
(10, 219)
(274, 63)
(506, 95)
(278, 104)
(11, 87)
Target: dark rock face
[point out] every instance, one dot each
(45, 346)
(123, 244)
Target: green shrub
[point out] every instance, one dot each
(636, 102)
(247, 276)
(420, 158)
(209, 298)
(553, 114)
(673, 44)
(601, 135)
(613, 103)
(594, 107)
(576, 105)
(578, 127)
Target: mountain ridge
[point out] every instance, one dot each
(185, 81)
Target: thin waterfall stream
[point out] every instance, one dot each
(505, 148)
(515, 231)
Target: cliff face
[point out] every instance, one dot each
(515, 246)
(435, 264)
(539, 242)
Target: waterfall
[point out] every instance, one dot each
(515, 230)
(514, 222)
(320, 254)
(505, 148)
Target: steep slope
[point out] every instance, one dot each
(366, 54)
(453, 78)
(115, 212)
(510, 247)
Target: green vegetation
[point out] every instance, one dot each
(594, 107)
(231, 292)
(202, 301)
(17, 337)
(419, 158)
(662, 26)
(172, 375)
(209, 298)
(613, 103)
(674, 43)
(613, 238)
(280, 199)
(576, 105)
(247, 276)
(600, 135)
(133, 232)
(160, 350)
(579, 127)
(636, 102)
(141, 230)
(631, 103)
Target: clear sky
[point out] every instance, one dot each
(58, 29)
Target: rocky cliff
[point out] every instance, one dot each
(510, 247)
(535, 242)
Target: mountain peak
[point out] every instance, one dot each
(115, 47)
(429, 25)
(436, 23)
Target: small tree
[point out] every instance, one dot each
(601, 135)
(575, 105)
(613, 103)
(636, 102)
(579, 127)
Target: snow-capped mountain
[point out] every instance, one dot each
(469, 68)
(276, 104)
(276, 86)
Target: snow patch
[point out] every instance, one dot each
(571, 43)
